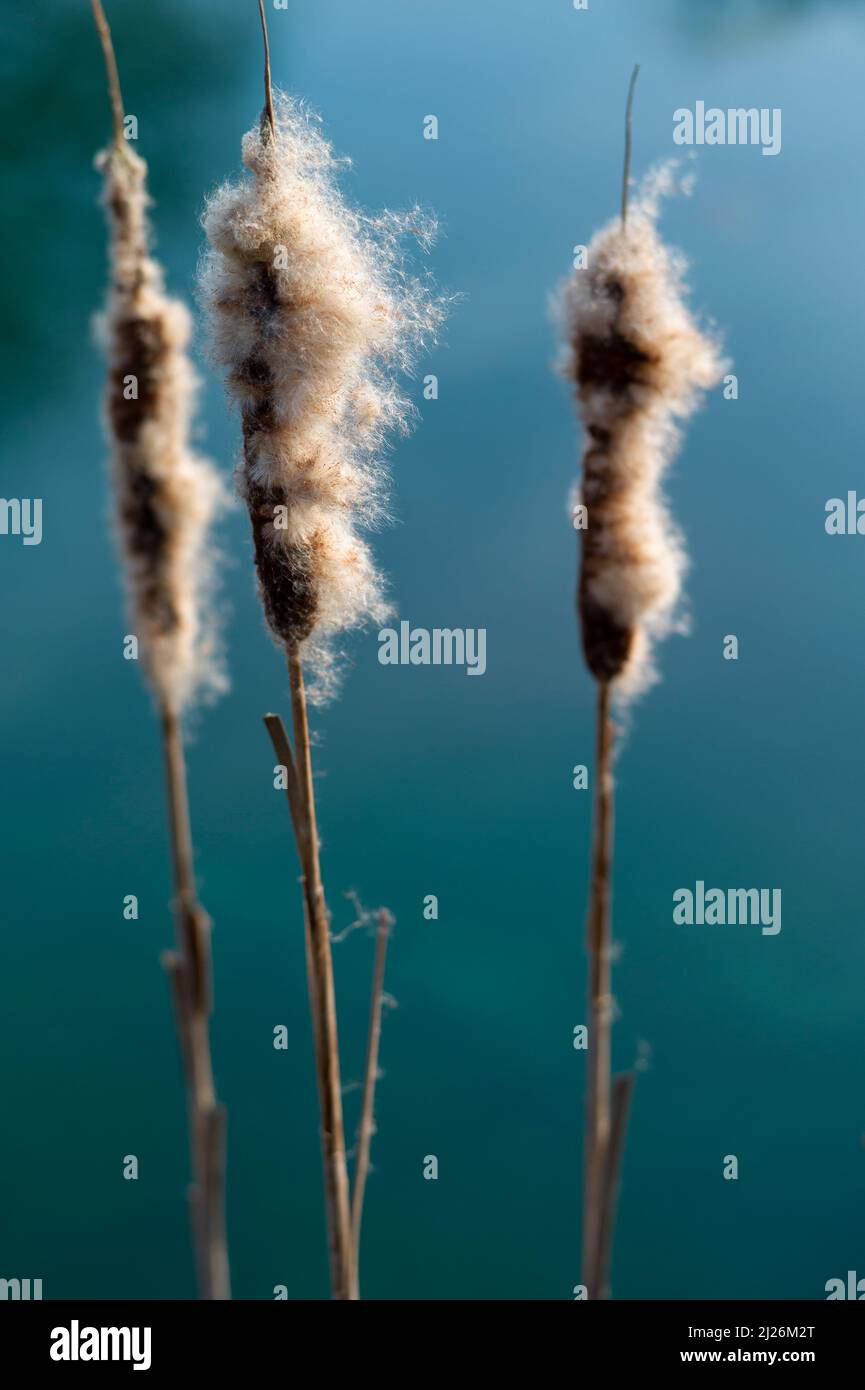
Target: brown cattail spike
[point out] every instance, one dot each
(312, 311)
(167, 496)
(638, 362)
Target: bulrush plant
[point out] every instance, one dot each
(638, 363)
(312, 314)
(165, 500)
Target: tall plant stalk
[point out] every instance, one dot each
(165, 499)
(638, 363)
(312, 313)
(189, 968)
(596, 1187)
(297, 762)
(323, 1003)
(600, 1002)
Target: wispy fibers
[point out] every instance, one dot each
(166, 497)
(311, 312)
(639, 363)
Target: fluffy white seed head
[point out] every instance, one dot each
(166, 495)
(639, 363)
(312, 314)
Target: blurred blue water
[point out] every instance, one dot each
(740, 774)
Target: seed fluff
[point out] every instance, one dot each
(639, 363)
(313, 314)
(166, 495)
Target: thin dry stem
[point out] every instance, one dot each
(623, 1087)
(283, 750)
(366, 1126)
(600, 998)
(626, 171)
(323, 1005)
(114, 91)
(190, 971)
(268, 86)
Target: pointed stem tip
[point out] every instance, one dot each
(104, 32)
(629, 113)
(268, 89)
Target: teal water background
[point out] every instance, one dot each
(740, 774)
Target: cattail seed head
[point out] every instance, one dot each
(311, 312)
(639, 363)
(166, 496)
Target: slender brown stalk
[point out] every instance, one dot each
(284, 752)
(111, 70)
(600, 998)
(366, 1125)
(268, 85)
(623, 1087)
(190, 970)
(323, 1004)
(629, 131)
(282, 748)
